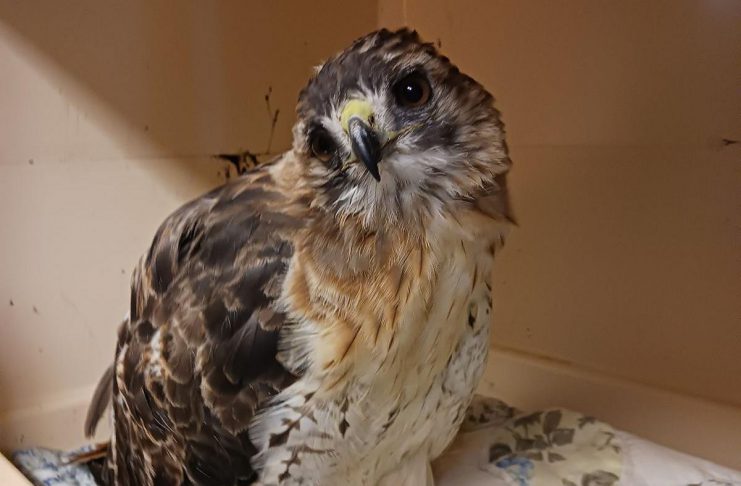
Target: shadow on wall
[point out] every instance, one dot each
(187, 79)
(111, 117)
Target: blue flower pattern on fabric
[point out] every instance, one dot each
(518, 467)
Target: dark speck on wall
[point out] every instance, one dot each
(35, 310)
(30, 161)
(439, 43)
(12, 303)
(273, 116)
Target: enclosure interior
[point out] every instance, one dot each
(616, 295)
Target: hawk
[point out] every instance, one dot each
(324, 318)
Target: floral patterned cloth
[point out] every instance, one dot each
(501, 446)
(555, 447)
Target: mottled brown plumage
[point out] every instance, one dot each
(198, 352)
(305, 323)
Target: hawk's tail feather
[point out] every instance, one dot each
(95, 460)
(98, 451)
(99, 403)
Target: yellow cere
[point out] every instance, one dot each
(360, 108)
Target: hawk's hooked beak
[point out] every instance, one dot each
(357, 121)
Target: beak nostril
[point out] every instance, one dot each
(372, 120)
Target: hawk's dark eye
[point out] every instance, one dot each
(412, 91)
(322, 145)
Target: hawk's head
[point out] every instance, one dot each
(389, 129)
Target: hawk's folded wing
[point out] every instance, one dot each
(197, 356)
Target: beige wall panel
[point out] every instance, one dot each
(626, 261)
(627, 257)
(586, 72)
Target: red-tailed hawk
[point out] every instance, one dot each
(323, 319)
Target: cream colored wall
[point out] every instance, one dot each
(109, 116)
(625, 269)
(626, 260)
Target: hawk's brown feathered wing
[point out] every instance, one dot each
(197, 355)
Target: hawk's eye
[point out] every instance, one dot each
(322, 145)
(412, 91)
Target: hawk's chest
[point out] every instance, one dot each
(398, 382)
(435, 317)
(425, 382)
